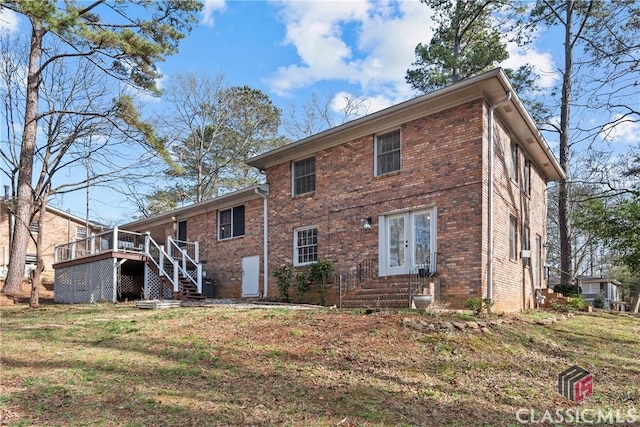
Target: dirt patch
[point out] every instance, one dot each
(24, 296)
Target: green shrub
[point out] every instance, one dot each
(568, 290)
(319, 274)
(474, 304)
(303, 283)
(284, 277)
(578, 303)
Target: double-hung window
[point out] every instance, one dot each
(513, 238)
(387, 152)
(513, 167)
(527, 176)
(305, 245)
(231, 222)
(304, 176)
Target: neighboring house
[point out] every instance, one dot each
(594, 286)
(445, 193)
(59, 227)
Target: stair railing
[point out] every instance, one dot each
(186, 259)
(157, 255)
(349, 280)
(420, 274)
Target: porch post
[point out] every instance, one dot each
(147, 237)
(197, 252)
(92, 243)
(115, 239)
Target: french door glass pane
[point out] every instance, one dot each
(396, 242)
(422, 238)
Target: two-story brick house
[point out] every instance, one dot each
(450, 185)
(455, 179)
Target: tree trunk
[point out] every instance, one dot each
(566, 270)
(635, 303)
(36, 278)
(24, 198)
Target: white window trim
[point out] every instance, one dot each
(383, 243)
(375, 151)
(295, 245)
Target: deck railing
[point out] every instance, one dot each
(183, 257)
(114, 240)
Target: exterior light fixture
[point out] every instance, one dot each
(366, 223)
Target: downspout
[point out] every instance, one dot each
(265, 242)
(506, 99)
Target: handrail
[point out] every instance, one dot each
(365, 269)
(185, 260)
(184, 256)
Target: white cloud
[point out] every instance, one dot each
(208, 10)
(366, 43)
(8, 20)
(622, 131)
(542, 63)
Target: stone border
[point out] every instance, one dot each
(477, 325)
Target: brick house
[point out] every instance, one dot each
(443, 195)
(59, 227)
(229, 232)
(421, 184)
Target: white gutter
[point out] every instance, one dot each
(490, 201)
(265, 231)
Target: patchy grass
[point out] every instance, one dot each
(108, 365)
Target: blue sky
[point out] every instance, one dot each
(292, 49)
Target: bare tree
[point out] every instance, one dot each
(82, 129)
(125, 47)
(213, 129)
(588, 83)
(318, 115)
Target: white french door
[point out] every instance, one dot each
(406, 241)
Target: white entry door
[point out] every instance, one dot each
(407, 241)
(251, 276)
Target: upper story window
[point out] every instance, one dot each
(231, 222)
(304, 176)
(513, 237)
(81, 232)
(305, 245)
(527, 176)
(387, 152)
(513, 164)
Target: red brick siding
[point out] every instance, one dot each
(514, 282)
(223, 258)
(442, 156)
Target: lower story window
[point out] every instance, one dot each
(305, 245)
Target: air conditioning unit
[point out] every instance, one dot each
(3, 272)
(525, 253)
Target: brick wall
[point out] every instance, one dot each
(444, 164)
(57, 229)
(441, 166)
(222, 259)
(513, 281)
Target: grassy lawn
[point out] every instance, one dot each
(107, 365)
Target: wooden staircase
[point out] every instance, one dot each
(189, 291)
